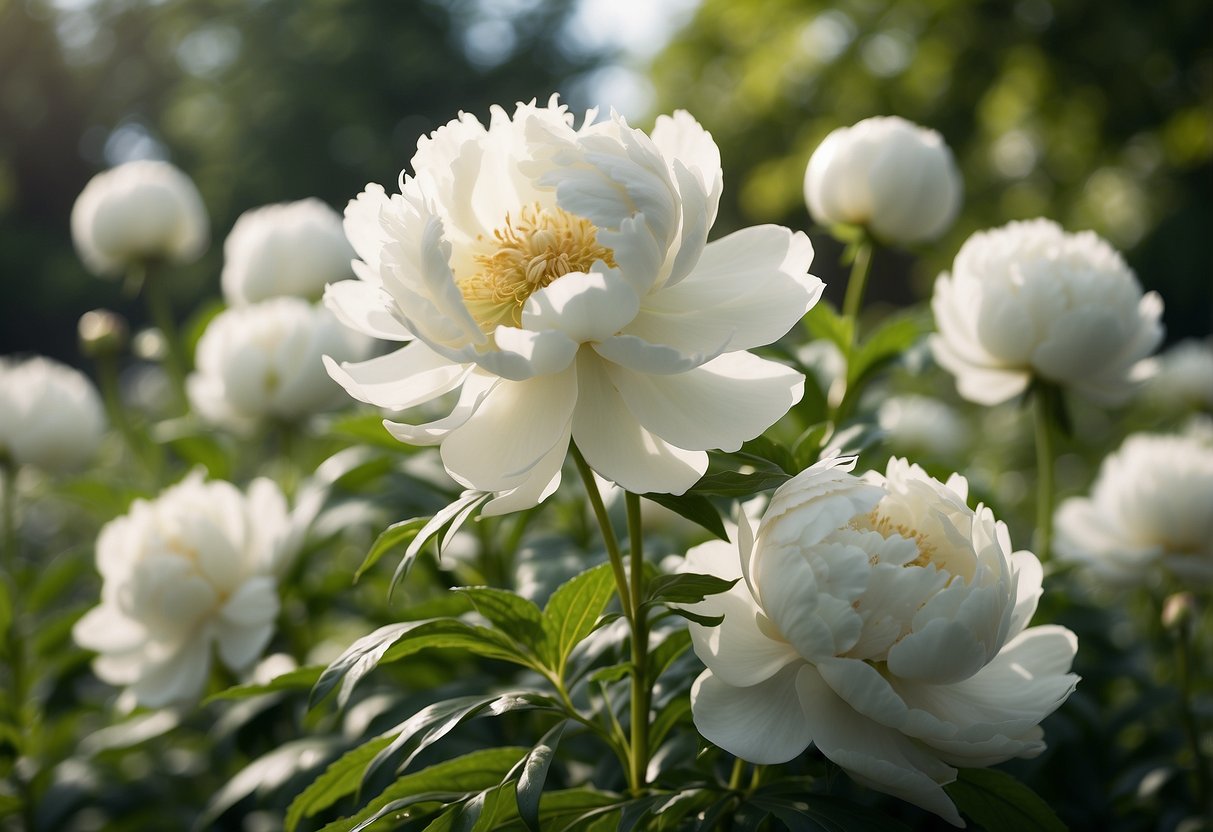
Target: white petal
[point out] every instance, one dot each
(362, 226)
(541, 482)
(179, 678)
(365, 307)
(399, 380)
(873, 754)
(522, 354)
(106, 630)
(680, 137)
(617, 447)
(762, 723)
(637, 354)
(585, 307)
(475, 388)
(725, 402)
(980, 384)
(512, 430)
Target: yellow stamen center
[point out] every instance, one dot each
(874, 521)
(529, 252)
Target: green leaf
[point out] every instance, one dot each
(664, 654)
(132, 732)
(694, 507)
(821, 813)
(396, 641)
(686, 588)
(896, 334)
(573, 611)
(823, 322)
(702, 620)
(301, 678)
(340, 779)
(510, 613)
(736, 484)
(367, 429)
(453, 515)
(668, 717)
(810, 444)
(1000, 803)
(265, 774)
(397, 534)
(201, 449)
(534, 774)
(768, 453)
(471, 772)
(434, 722)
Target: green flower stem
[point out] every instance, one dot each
(1044, 404)
(15, 648)
(159, 306)
(608, 534)
(735, 774)
(1185, 656)
(641, 685)
(861, 266)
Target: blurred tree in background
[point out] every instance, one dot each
(1098, 114)
(258, 100)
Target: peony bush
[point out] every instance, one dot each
(523, 498)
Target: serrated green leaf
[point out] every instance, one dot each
(686, 588)
(1000, 803)
(573, 611)
(301, 678)
(397, 534)
(694, 507)
(534, 775)
(470, 772)
(510, 613)
(737, 484)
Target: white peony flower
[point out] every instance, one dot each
(265, 361)
(895, 178)
(1029, 300)
(195, 567)
(1182, 377)
(884, 621)
(136, 212)
(1151, 507)
(560, 281)
(293, 248)
(921, 424)
(51, 416)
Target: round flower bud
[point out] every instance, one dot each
(1029, 300)
(1150, 510)
(136, 212)
(50, 415)
(265, 361)
(195, 567)
(102, 332)
(294, 248)
(884, 621)
(887, 174)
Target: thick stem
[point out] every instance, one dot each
(641, 685)
(161, 310)
(860, 267)
(608, 534)
(1043, 406)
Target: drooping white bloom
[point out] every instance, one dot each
(884, 621)
(895, 178)
(293, 248)
(921, 424)
(50, 414)
(193, 569)
(1182, 377)
(1150, 510)
(1029, 300)
(266, 361)
(139, 211)
(560, 279)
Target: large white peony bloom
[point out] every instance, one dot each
(137, 212)
(265, 361)
(560, 281)
(1029, 300)
(50, 415)
(293, 248)
(1151, 507)
(895, 178)
(195, 567)
(884, 621)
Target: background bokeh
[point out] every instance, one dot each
(1099, 114)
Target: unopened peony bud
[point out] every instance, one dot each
(887, 174)
(1028, 300)
(1179, 611)
(50, 415)
(149, 344)
(137, 212)
(290, 249)
(102, 333)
